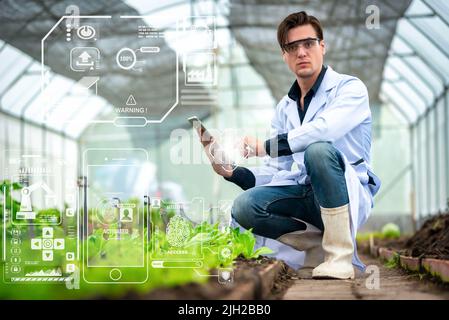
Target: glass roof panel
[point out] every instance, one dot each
(53, 94)
(441, 8)
(414, 98)
(402, 70)
(13, 64)
(435, 29)
(417, 7)
(391, 92)
(424, 46)
(21, 93)
(398, 46)
(424, 71)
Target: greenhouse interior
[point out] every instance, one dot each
(113, 188)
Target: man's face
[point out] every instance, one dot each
(304, 62)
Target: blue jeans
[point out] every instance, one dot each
(269, 210)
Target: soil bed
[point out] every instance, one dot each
(245, 272)
(426, 252)
(432, 240)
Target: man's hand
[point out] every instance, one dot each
(252, 147)
(214, 155)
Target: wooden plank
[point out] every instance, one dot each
(394, 284)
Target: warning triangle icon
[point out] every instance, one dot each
(131, 101)
(48, 233)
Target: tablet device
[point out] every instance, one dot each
(206, 138)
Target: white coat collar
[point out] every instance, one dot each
(330, 80)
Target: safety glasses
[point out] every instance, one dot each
(307, 44)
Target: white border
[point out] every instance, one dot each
(161, 260)
(22, 280)
(109, 17)
(146, 254)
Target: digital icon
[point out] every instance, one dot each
(106, 211)
(26, 209)
(200, 27)
(59, 244)
(15, 232)
(131, 101)
(144, 31)
(70, 212)
(47, 244)
(15, 269)
(15, 251)
(69, 33)
(15, 241)
(70, 267)
(70, 256)
(86, 32)
(84, 58)
(178, 231)
(15, 259)
(85, 84)
(202, 31)
(224, 218)
(199, 69)
(126, 214)
(115, 274)
(225, 253)
(126, 211)
(71, 232)
(45, 272)
(225, 275)
(36, 244)
(47, 255)
(126, 58)
(47, 232)
(156, 203)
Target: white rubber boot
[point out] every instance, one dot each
(308, 240)
(337, 244)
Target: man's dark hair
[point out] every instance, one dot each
(294, 20)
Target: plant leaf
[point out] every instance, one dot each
(262, 251)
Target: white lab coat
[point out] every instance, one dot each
(338, 113)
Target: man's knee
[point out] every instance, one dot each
(319, 155)
(243, 209)
(318, 150)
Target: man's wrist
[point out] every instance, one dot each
(233, 167)
(278, 146)
(243, 177)
(267, 146)
(261, 151)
